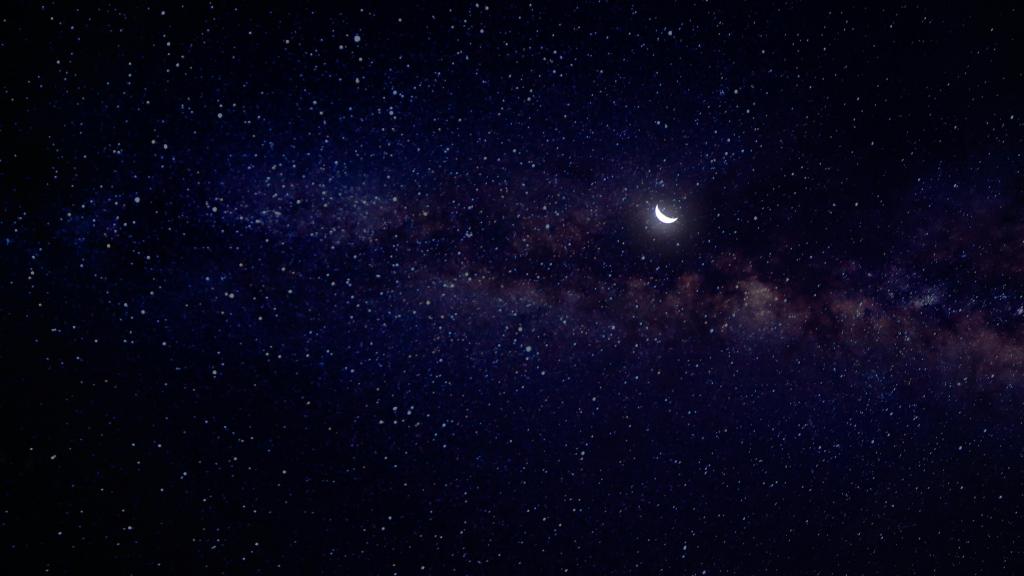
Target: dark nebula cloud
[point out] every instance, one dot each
(379, 290)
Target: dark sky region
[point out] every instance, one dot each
(378, 289)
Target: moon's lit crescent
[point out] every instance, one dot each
(661, 216)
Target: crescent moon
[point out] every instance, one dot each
(661, 216)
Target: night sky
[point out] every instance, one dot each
(380, 290)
